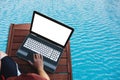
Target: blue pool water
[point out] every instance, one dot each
(95, 44)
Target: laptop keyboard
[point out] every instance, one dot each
(42, 49)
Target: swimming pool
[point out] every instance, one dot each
(95, 44)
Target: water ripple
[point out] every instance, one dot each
(95, 43)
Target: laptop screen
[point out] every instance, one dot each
(50, 29)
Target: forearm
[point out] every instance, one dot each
(42, 73)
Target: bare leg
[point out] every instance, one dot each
(8, 66)
(2, 55)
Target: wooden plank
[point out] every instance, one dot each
(63, 61)
(16, 46)
(21, 26)
(21, 32)
(69, 62)
(18, 39)
(59, 76)
(61, 68)
(12, 53)
(16, 36)
(10, 38)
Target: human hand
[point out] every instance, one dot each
(37, 61)
(38, 64)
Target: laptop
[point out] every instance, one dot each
(47, 37)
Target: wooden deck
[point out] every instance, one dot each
(17, 34)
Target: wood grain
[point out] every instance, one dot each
(17, 34)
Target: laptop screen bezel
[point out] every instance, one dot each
(40, 14)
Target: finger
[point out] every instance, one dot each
(41, 57)
(38, 55)
(34, 57)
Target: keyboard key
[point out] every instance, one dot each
(42, 49)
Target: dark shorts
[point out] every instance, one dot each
(8, 67)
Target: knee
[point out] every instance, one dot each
(2, 54)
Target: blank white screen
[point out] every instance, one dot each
(50, 29)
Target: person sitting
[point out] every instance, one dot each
(9, 69)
